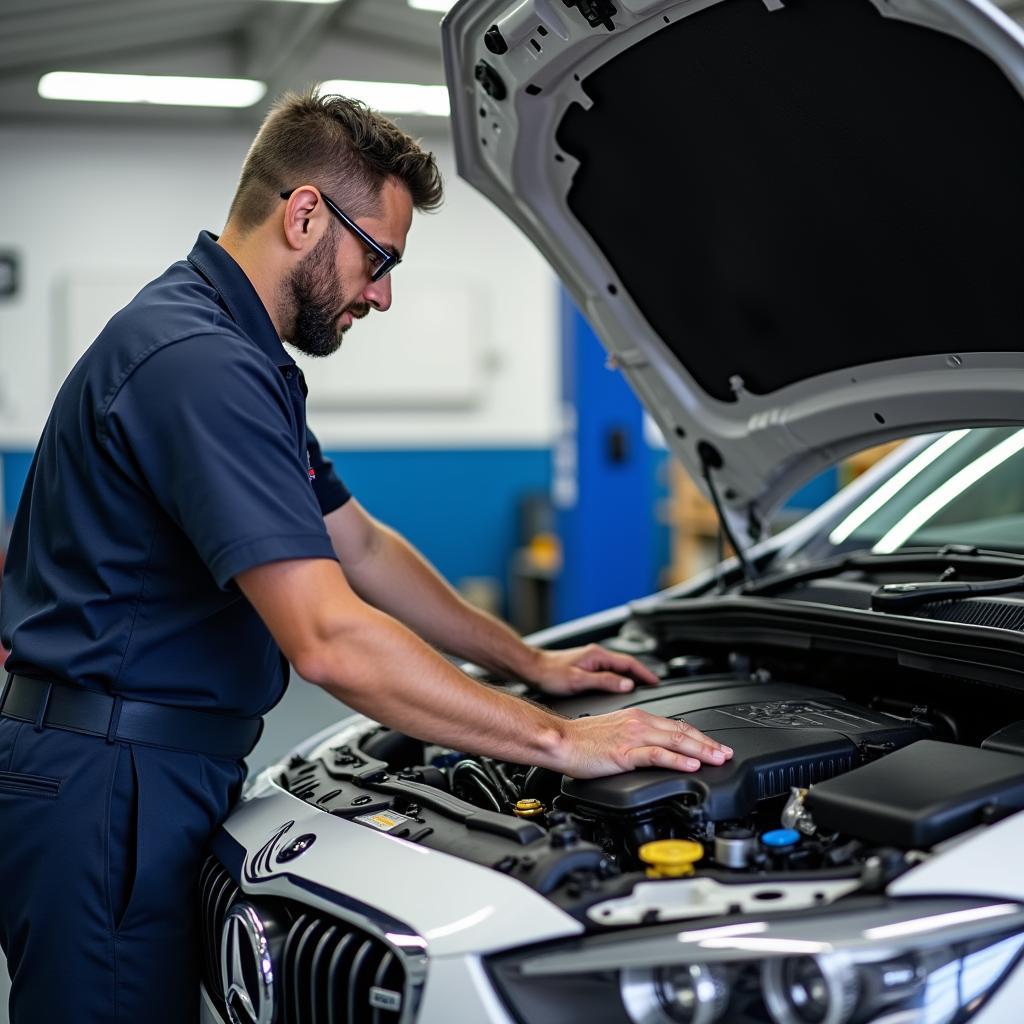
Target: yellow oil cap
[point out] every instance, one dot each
(528, 808)
(671, 858)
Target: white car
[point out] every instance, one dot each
(796, 225)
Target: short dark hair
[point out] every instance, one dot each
(337, 144)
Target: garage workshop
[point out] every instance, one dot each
(512, 511)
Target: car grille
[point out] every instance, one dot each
(217, 891)
(330, 971)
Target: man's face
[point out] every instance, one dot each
(319, 300)
(331, 287)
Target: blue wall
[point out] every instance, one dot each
(458, 507)
(15, 469)
(815, 492)
(610, 537)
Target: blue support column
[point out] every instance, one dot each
(604, 481)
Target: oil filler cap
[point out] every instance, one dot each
(528, 808)
(671, 858)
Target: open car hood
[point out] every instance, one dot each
(796, 225)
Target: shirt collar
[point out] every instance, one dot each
(238, 295)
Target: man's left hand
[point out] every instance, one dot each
(588, 668)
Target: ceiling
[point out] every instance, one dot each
(286, 45)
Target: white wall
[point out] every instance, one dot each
(96, 212)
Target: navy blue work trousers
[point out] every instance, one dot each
(100, 849)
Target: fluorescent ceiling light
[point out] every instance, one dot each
(394, 97)
(169, 90)
(441, 6)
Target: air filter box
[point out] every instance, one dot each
(920, 795)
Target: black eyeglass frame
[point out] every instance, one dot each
(389, 259)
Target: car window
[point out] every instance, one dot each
(962, 487)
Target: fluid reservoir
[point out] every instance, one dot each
(779, 844)
(734, 847)
(780, 839)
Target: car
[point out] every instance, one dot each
(795, 225)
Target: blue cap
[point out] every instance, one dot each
(781, 837)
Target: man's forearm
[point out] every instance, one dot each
(416, 691)
(420, 693)
(394, 577)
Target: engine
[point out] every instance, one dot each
(785, 737)
(819, 782)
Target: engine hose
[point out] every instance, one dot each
(503, 783)
(478, 776)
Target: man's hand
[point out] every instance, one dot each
(623, 740)
(587, 668)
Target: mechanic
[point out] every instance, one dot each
(181, 535)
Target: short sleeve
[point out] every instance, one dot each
(207, 425)
(329, 488)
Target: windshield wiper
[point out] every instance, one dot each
(901, 597)
(957, 557)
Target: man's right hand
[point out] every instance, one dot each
(624, 740)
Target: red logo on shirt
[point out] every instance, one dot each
(312, 471)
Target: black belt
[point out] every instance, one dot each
(118, 719)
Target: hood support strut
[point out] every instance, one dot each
(711, 458)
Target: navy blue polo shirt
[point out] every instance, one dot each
(176, 456)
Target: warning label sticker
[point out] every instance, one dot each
(384, 821)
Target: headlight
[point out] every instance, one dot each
(916, 961)
(811, 989)
(683, 994)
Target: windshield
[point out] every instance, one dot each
(962, 487)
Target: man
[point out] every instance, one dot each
(181, 531)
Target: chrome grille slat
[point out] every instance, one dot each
(208, 881)
(353, 989)
(336, 990)
(303, 966)
(380, 980)
(294, 968)
(224, 894)
(217, 892)
(319, 979)
(287, 954)
(210, 946)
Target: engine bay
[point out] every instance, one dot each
(841, 785)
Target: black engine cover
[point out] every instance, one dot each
(782, 736)
(922, 795)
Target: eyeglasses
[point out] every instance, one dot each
(386, 259)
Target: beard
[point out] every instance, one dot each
(316, 297)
